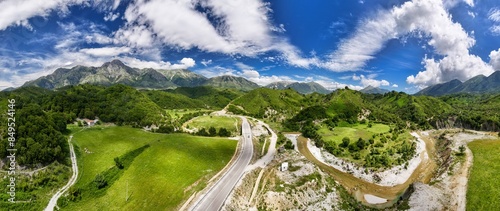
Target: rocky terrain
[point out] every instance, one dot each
(302, 186)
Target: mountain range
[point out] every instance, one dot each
(300, 87)
(116, 72)
(477, 84)
(374, 90)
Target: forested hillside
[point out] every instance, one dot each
(265, 102)
(405, 111)
(42, 114)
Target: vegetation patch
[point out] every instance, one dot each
(210, 123)
(34, 188)
(160, 177)
(371, 145)
(483, 189)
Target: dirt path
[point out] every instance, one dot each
(256, 187)
(460, 182)
(271, 152)
(71, 182)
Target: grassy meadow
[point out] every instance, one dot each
(381, 146)
(160, 178)
(483, 191)
(230, 123)
(177, 114)
(354, 132)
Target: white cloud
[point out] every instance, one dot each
(369, 80)
(15, 12)
(495, 59)
(355, 77)
(495, 30)
(333, 85)
(135, 36)
(366, 81)
(494, 14)
(111, 16)
(5, 84)
(116, 3)
(105, 51)
(184, 64)
(461, 67)
(242, 66)
(250, 74)
(395, 86)
(427, 19)
(98, 38)
(206, 62)
(472, 14)
(181, 25)
(368, 39)
(452, 3)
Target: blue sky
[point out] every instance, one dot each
(392, 44)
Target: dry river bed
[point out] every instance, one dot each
(359, 187)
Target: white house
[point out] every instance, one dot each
(90, 122)
(284, 166)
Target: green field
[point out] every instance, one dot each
(380, 145)
(230, 123)
(483, 192)
(159, 178)
(353, 132)
(177, 114)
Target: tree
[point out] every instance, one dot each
(361, 143)
(118, 163)
(165, 129)
(202, 132)
(223, 132)
(100, 181)
(212, 131)
(345, 142)
(289, 145)
(461, 150)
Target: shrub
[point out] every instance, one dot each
(118, 163)
(100, 181)
(345, 142)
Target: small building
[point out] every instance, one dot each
(89, 122)
(284, 166)
(153, 127)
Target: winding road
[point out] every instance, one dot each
(214, 199)
(71, 182)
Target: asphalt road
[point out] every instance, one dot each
(71, 182)
(215, 197)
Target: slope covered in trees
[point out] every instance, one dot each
(265, 102)
(215, 98)
(41, 117)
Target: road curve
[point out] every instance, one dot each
(217, 194)
(71, 182)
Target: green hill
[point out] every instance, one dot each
(267, 103)
(168, 100)
(210, 97)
